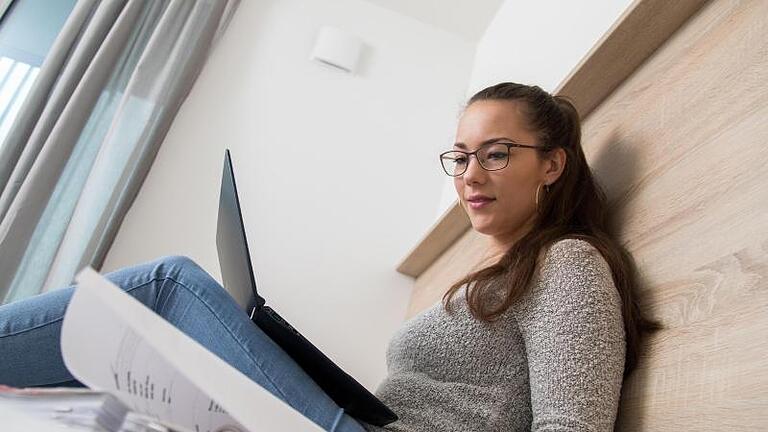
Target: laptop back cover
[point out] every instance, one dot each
(232, 245)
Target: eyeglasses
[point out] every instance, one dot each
(491, 156)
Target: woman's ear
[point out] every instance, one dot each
(555, 165)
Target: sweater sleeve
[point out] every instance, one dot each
(573, 331)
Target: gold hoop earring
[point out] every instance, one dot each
(538, 188)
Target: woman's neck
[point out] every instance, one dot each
(500, 244)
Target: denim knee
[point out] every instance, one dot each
(175, 265)
(176, 261)
(183, 269)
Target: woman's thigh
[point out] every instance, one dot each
(185, 295)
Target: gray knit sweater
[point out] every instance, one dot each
(554, 362)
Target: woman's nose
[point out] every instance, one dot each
(474, 172)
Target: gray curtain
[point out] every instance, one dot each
(89, 130)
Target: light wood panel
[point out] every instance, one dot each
(637, 33)
(680, 147)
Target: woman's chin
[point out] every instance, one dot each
(482, 227)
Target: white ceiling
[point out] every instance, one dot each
(466, 18)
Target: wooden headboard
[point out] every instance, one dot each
(674, 100)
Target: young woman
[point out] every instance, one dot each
(539, 340)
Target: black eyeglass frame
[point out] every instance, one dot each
(508, 144)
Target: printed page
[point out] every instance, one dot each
(111, 342)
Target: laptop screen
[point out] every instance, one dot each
(234, 257)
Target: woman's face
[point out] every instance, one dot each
(512, 208)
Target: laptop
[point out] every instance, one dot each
(239, 281)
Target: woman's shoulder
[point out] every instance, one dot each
(568, 255)
(569, 246)
(571, 271)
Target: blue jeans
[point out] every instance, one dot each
(189, 298)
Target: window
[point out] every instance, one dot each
(27, 31)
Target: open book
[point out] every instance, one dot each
(113, 343)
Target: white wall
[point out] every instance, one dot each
(338, 174)
(536, 42)
(468, 19)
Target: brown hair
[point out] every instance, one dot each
(574, 207)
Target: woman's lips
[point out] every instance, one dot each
(478, 204)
